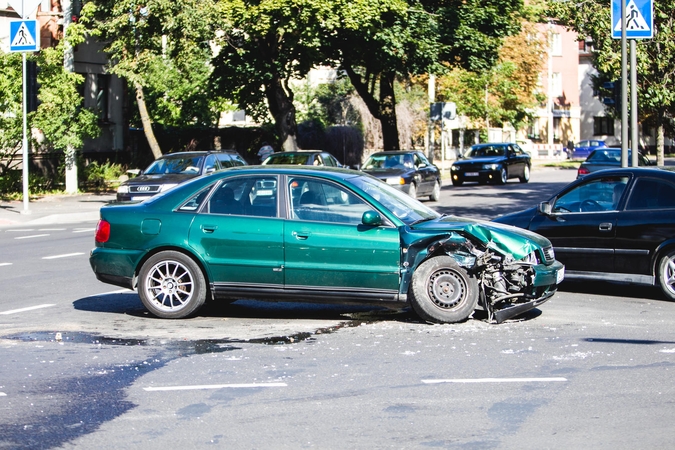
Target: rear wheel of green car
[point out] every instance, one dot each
(442, 292)
(171, 285)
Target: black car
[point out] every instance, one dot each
(614, 225)
(171, 169)
(608, 158)
(492, 163)
(303, 158)
(409, 171)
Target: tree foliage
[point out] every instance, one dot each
(656, 77)
(505, 93)
(162, 49)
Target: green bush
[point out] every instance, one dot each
(98, 176)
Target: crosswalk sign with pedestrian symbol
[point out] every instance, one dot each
(639, 19)
(24, 36)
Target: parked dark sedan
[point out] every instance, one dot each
(171, 169)
(303, 158)
(317, 234)
(607, 158)
(409, 170)
(615, 225)
(492, 163)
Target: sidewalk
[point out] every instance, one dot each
(54, 209)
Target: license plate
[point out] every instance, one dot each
(471, 174)
(560, 276)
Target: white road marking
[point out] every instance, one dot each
(495, 380)
(31, 236)
(30, 308)
(63, 256)
(51, 229)
(84, 230)
(5, 264)
(213, 386)
(2, 394)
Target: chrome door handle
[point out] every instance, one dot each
(301, 236)
(605, 226)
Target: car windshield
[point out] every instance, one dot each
(388, 161)
(400, 204)
(484, 151)
(297, 159)
(175, 165)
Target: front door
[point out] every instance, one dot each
(330, 253)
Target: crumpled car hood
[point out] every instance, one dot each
(503, 238)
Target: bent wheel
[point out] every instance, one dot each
(666, 275)
(442, 292)
(171, 285)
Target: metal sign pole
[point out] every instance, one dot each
(24, 143)
(634, 143)
(624, 89)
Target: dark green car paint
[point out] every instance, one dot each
(284, 258)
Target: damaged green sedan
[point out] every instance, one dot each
(321, 235)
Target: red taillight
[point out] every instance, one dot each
(582, 171)
(102, 231)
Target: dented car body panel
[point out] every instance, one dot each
(321, 235)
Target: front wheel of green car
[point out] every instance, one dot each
(171, 285)
(442, 292)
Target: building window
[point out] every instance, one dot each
(556, 44)
(603, 126)
(556, 84)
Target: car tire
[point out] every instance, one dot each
(503, 176)
(442, 292)
(412, 190)
(436, 192)
(526, 175)
(666, 275)
(171, 285)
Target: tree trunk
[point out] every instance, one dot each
(280, 101)
(383, 110)
(388, 112)
(147, 122)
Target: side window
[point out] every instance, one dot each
(211, 164)
(245, 196)
(649, 193)
(322, 201)
(328, 160)
(597, 195)
(195, 202)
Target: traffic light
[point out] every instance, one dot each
(613, 89)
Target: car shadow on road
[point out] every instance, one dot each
(611, 289)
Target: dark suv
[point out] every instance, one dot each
(172, 169)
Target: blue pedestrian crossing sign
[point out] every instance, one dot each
(639, 19)
(24, 36)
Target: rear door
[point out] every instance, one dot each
(240, 235)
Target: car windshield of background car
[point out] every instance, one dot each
(175, 165)
(399, 203)
(484, 151)
(293, 159)
(592, 196)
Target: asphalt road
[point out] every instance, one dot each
(84, 366)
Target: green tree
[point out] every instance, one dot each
(508, 92)
(11, 114)
(162, 49)
(378, 41)
(656, 78)
(262, 46)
